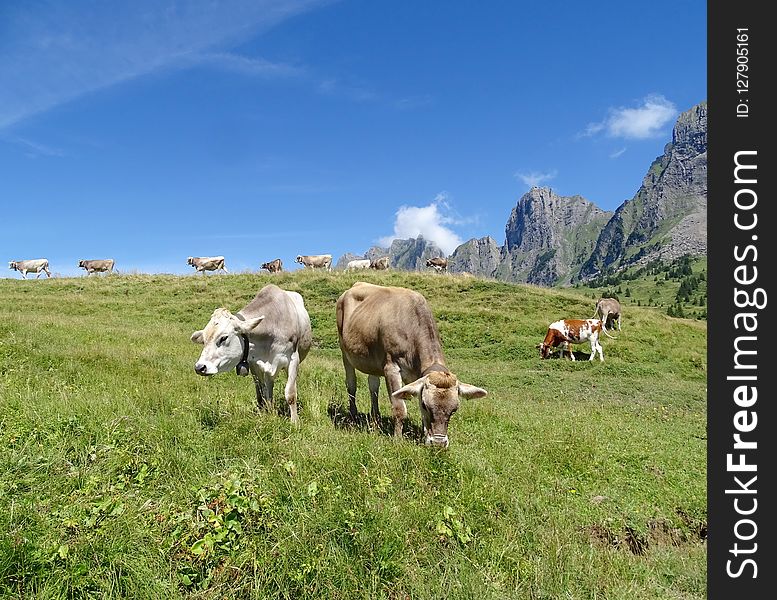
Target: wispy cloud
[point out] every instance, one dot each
(55, 52)
(535, 178)
(33, 149)
(644, 121)
(618, 153)
(243, 64)
(431, 221)
(336, 87)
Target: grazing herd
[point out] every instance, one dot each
(383, 332)
(217, 263)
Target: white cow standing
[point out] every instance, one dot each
(270, 334)
(353, 265)
(35, 265)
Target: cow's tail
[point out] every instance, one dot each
(604, 329)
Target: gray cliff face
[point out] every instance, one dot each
(548, 237)
(410, 254)
(478, 257)
(668, 216)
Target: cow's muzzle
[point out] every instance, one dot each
(201, 368)
(437, 439)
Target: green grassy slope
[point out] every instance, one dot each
(125, 475)
(678, 287)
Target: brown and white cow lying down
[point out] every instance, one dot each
(270, 334)
(274, 266)
(390, 332)
(609, 311)
(207, 263)
(573, 331)
(315, 261)
(97, 266)
(34, 265)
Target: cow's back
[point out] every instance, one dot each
(285, 316)
(374, 321)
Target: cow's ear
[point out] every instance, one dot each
(470, 391)
(411, 389)
(247, 326)
(197, 337)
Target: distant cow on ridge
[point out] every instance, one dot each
(315, 261)
(207, 263)
(362, 263)
(440, 264)
(274, 266)
(97, 266)
(380, 264)
(34, 265)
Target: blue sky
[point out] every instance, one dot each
(149, 131)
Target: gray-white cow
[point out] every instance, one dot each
(35, 265)
(270, 334)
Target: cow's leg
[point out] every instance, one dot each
(619, 322)
(569, 350)
(398, 406)
(374, 383)
(259, 385)
(350, 386)
(291, 387)
(269, 387)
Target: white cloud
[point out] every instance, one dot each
(535, 178)
(430, 221)
(618, 153)
(246, 65)
(645, 121)
(54, 53)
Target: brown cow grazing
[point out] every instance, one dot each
(390, 332)
(97, 266)
(274, 266)
(207, 263)
(573, 331)
(33, 265)
(380, 264)
(440, 264)
(608, 310)
(315, 261)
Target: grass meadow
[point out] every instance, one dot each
(125, 475)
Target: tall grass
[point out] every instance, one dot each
(125, 475)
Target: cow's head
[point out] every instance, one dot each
(438, 394)
(13, 265)
(224, 342)
(298, 259)
(545, 350)
(81, 264)
(190, 261)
